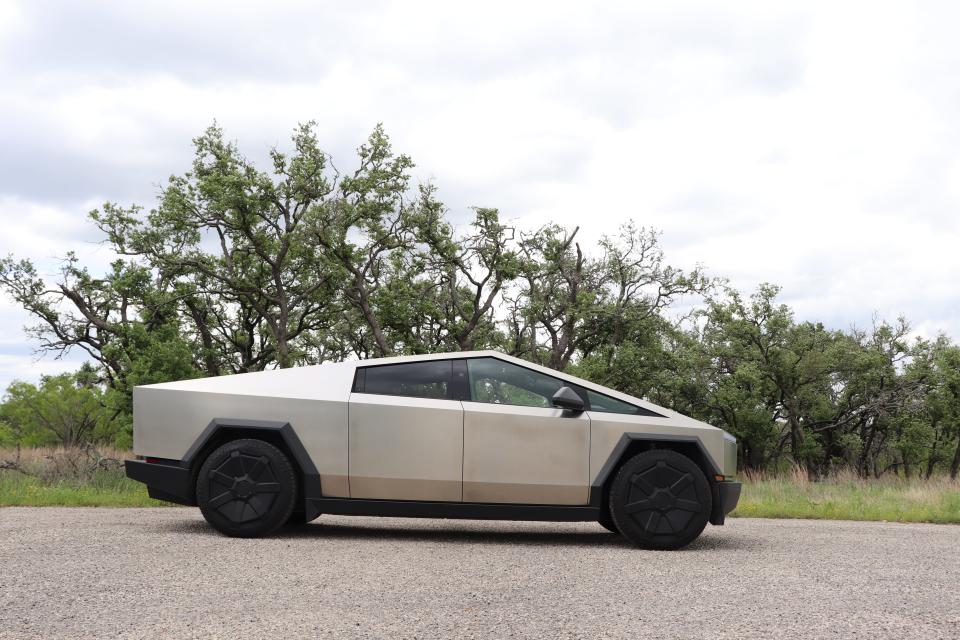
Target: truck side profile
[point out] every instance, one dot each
(460, 435)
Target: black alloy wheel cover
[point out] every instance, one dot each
(246, 488)
(660, 499)
(243, 487)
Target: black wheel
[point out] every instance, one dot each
(606, 521)
(660, 499)
(246, 488)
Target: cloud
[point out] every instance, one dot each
(810, 144)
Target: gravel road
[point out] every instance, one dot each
(162, 573)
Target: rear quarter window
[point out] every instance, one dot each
(413, 379)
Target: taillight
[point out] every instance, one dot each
(152, 460)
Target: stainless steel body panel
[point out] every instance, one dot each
(525, 455)
(729, 455)
(606, 429)
(405, 448)
(169, 417)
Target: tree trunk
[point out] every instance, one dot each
(955, 465)
(209, 350)
(932, 456)
(796, 438)
(864, 462)
(360, 294)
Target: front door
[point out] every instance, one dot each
(517, 447)
(406, 434)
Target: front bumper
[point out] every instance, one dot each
(165, 481)
(726, 495)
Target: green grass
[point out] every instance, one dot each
(104, 489)
(847, 497)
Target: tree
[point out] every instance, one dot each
(771, 362)
(872, 401)
(571, 304)
(638, 285)
(632, 345)
(59, 411)
(560, 287)
(942, 366)
(232, 235)
(469, 274)
(367, 222)
(116, 319)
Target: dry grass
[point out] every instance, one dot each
(57, 476)
(844, 495)
(62, 463)
(38, 454)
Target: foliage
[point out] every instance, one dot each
(241, 268)
(847, 496)
(106, 489)
(60, 411)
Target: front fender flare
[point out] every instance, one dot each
(619, 452)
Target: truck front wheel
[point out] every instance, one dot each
(660, 499)
(246, 488)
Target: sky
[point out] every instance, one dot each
(812, 145)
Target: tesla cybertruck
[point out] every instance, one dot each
(459, 435)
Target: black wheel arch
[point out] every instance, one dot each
(280, 434)
(630, 444)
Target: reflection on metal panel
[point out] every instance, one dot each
(168, 422)
(527, 455)
(608, 428)
(405, 448)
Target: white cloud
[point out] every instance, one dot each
(30, 368)
(812, 145)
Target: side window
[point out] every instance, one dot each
(498, 382)
(429, 379)
(600, 402)
(606, 404)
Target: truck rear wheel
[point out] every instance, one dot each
(660, 499)
(246, 488)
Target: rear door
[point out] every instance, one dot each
(406, 433)
(519, 448)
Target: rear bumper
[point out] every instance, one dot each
(726, 495)
(164, 481)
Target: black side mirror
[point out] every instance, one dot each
(567, 398)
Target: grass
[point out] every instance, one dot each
(58, 477)
(80, 478)
(119, 491)
(846, 496)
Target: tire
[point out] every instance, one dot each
(606, 521)
(660, 499)
(246, 488)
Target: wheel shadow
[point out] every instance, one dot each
(338, 530)
(332, 531)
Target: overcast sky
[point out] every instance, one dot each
(812, 145)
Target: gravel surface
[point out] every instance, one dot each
(162, 573)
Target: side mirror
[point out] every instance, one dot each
(567, 398)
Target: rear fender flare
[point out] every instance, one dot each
(310, 477)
